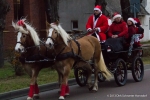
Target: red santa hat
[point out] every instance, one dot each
(116, 15)
(137, 20)
(98, 7)
(132, 20)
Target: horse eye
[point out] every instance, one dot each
(55, 32)
(24, 36)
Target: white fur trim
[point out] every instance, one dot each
(133, 21)
(109, 22)
(97, 36)
(98, 10)
(89, 29)
(118, 15)
(99, 30)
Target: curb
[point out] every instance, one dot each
(23, 92)
(42, 88)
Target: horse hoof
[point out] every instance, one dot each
(61, 98)
(29, 98)
(36, 96)
(90, 88)
(93, 91)
(67, 94)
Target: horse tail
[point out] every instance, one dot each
(102, 67)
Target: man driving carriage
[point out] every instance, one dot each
(97, 24)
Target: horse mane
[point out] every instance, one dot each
(30, 29)
(65, 36)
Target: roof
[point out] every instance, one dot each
(110, 8)
(143, 11)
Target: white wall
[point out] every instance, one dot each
(145, 24)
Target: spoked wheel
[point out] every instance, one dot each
(137, 69)
(121, 72)
(101, 78)
(80, 76)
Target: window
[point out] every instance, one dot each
(18, 9)
(74, 25)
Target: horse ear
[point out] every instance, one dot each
(13, 24)
(57, 22)
(47, 25)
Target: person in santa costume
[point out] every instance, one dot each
(134, 29)
(131, 29)
(97, 24)
(118, 27)
(139, 29)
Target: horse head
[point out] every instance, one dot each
(27, 36)
(55, 34)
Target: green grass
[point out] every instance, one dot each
(9, 81)
(146, 60)
(146, 42)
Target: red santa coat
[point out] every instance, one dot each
(101, 23)
(120, 27)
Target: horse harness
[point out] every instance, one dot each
(71, 54)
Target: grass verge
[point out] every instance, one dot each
(9, 82)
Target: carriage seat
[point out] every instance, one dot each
(114, 44)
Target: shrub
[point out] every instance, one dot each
(13, 59)
(146, 52)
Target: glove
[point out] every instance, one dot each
(90, 30)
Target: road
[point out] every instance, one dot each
(107, 91)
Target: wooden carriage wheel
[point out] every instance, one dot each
(120, 74)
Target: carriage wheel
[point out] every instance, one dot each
(137, 69)
(101, 78)
(80, 76)
(121, 72)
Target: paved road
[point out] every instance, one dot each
(107, 91)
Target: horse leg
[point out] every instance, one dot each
(36, 91)
(60, 76)
(33, 86)
(64, 86)
(27, 69)
(96, 70)
(89, 73)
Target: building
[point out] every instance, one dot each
(73, 16)
(34, 10)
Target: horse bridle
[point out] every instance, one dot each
(54, 40)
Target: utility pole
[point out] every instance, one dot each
(4, 8)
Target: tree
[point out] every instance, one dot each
(103, 3)
(51, 10)
(4, 8)
(125, 7)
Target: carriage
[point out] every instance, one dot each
(118, 62)
(71, 53)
